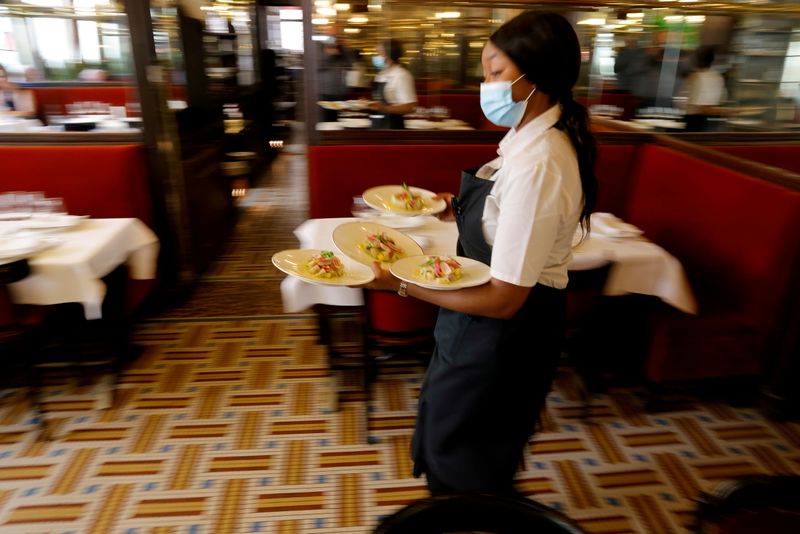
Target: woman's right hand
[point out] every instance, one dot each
(447, 214)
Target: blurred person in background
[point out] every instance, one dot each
(631, 62)
(13, 98)
(393, 90)
(645, 75)
(356, 76)
(705, 91)
(333, 67)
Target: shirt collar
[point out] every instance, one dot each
(519, 139)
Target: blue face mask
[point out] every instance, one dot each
(379, 62)
(498, 105)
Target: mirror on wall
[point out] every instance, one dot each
(675, 69)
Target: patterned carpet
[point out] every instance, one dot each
(224, 424)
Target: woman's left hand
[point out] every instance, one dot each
(384, 280)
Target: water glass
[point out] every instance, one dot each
(49, 206)
(18, 205)
(359, 208)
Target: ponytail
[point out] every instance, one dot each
(575, 123)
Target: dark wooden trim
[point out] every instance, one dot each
(740, 138)
(711, 138)
(757, 170)
(76, 83)
(71, 138)
(703, 6)
(410, 137)
(454, 137)
(310, 78)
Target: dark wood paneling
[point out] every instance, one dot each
(70, 138)
(757, 170)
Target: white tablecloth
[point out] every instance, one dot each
(638, 266)
(71, 271)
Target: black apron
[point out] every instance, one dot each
(385, 121)
(488, 378)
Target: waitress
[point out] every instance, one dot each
(393, 89)
(497, 345)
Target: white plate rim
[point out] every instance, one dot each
(385, 207)
(66, 221)
(40, 244)
(362, 256)
(368, 275)
(466, 263)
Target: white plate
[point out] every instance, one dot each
(13, 248)
(332, 105)
(348, 236)
(293, 263)
(473, 273)
(329, 126)
(356, 123)
(398, 222)
(420, 124)
(380, 198)
(358, 104)
(52, 222)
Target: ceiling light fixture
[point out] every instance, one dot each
(592, 22)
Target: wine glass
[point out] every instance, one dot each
(361, 209)
(49, 206)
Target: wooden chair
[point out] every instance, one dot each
(22, 333)
(398, 332)
(583, 293)
(477, 513)
(754, 504)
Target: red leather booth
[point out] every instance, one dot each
(96, 180)
(103, 181)
(53, 100)
(781, 156)
(736, 236)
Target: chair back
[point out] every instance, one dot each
(583, 290)
(10, 273)
(477, 512)
(387, 312)
(756, 504)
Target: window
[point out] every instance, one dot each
(790, 80)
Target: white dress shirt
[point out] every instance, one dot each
(399, 88)
(704, 88)
(534, 207)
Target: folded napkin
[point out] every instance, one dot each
(609, 225)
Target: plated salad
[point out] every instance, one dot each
(325, 265)
(407, 200)
(440, 270)
(382, 248)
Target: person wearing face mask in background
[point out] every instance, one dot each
(393, 90)
(497, 345)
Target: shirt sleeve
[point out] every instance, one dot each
(403, 87)
(531, 208)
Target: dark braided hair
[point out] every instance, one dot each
(544, 46)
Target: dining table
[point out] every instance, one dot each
(68, 264)
(637, 265)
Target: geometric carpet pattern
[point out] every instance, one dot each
(233, 422)
(229, 426)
